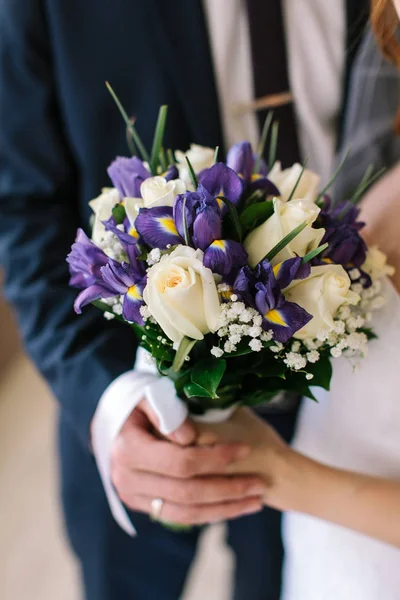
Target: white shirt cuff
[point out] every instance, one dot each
(116, 404)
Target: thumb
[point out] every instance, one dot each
(179, 430)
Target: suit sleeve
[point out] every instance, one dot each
(39, 183)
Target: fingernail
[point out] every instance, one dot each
(242, 453)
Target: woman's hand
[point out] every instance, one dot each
(294, 482)
(270, 457)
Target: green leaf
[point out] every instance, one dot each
(130, 126)
(216, 152)
(298, 180)
(256, 196)
(119, 213)
(286, 240)
(163, 159)
(171, 157)
(308, 257)
(183, 351)
(255, 215)
(362, 188)
(208, 373)
(273, 144)
(193, 390)
(369, 333)
(192, 174)
(322, 371)
(263, 141)
(234, 217)
(334, 176)
(158, 138)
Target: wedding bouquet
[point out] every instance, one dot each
(240, 279)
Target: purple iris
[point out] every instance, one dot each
(85, 261)
(127, 175)
(225, 257)
(203, 217)
(126, 280)
(243, 161)
(262, 289)
(100, 277)
(346, 246)
(221, 180)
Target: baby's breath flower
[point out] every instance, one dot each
(109, 316)
(309, 376)
(295, 361)
(217, 352)
(296, 346)
(336, 352)
(313, 356)
(255, 345)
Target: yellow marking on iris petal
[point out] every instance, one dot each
(277, 268)
(220, 244)
(220, 202)
(134, 293)
(329, 261)
(256, 176)
(133, 232)
(167, 223)
(275, 317)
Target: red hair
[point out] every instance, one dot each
(384, 21)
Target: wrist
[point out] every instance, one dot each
(292, 481)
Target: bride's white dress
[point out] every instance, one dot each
(357, 427)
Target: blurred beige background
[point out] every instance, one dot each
(35, 563)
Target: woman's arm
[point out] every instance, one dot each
(294, 482)
(380, 210)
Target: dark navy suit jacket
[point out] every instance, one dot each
(59, 129)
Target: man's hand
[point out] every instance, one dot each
(191, 480)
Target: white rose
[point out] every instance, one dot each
(287, 216)
(308, 186)
(200, 158)
(321, 295)
(376, 264)
(102, 207)
(182, 296)
(155, 191)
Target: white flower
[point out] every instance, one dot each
(295, 361)
(287, 216)
(102, 207)
(376, 264)
(200, 158)
(313, 356)
(217, 352)
(182, 295)
(154, 256)
(255, 345)
(336, 352)
(285, 181)
(309, 376)
(321, 295)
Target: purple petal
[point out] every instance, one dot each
(288, 270)
(240, 158)
(263, 183)
(243, 285)
(85, 261)
(94, 292)
(157, 228)
(127, 175)
(172, 173)
(133, 301)
(207, 226)
(185, 203)
(224, 255)
(221, 180)
(285, 320)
